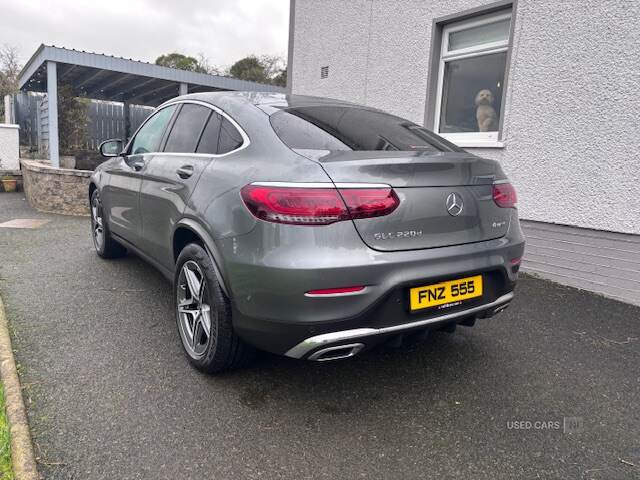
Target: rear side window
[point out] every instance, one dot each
(187, 128)
(299, 133)
(325, 127)
(209, 140)
(230, 137)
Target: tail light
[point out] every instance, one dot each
(317, 206)
(505, 195)
(369, 202)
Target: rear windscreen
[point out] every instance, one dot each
(329, 127)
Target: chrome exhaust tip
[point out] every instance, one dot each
(501, 308)
(494, 311)
(336, 353)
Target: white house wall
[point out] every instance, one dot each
(571, 129)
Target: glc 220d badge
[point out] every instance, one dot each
(394, 235)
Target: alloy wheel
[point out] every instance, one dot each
(194, 311)
(97, 223)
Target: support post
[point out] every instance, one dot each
(184, 89)
(127, 120)
(9, 110)
(52, 101)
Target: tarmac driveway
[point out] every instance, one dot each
(111, 395)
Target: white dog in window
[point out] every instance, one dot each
(485, 113)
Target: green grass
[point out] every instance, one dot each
(6, 472)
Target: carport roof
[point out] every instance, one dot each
(103, 77)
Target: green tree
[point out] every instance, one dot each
(269, 69)
(73, 120)
(249, 68)
(181, 62)
(280, 79)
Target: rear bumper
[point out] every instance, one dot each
(368, 336)
(269, 270)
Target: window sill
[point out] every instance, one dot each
(474, 139)
(478, 144)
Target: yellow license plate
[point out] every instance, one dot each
(452, 291)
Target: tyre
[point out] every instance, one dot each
(105, 245)
(203, 315)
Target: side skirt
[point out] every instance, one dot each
(131, 247)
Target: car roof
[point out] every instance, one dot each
(269, 102)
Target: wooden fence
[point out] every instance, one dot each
(106, 120)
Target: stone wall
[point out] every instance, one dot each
(57, 190)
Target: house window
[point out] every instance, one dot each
(473, 61)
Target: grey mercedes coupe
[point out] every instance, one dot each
(308, 227)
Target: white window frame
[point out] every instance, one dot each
(468, 139)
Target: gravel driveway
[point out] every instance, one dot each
(111, 395)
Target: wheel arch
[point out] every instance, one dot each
(92, 188)
(94, 182)
(189, 231)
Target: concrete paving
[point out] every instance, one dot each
(111, 395)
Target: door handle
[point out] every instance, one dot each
(185, 171)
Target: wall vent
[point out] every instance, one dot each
(324, 72)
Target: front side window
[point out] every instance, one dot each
(148, 138)
(473, 62)
(187, 128)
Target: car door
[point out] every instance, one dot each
(121, 194)
(172, 175)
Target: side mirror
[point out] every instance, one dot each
(111, 148)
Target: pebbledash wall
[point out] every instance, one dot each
(9, 147)
(570, 138)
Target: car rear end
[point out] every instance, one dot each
(407, 233)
